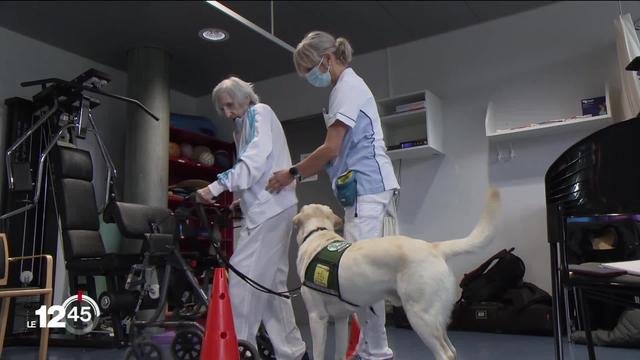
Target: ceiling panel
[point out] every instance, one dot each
(490, 10)
(103, 30)
(432, 17)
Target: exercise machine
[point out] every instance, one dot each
(46, 176)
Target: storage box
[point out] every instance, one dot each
(594, 106)
(410, 107)
(408, 144)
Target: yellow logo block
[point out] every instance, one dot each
(321, 275)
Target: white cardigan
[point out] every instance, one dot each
(262, 149)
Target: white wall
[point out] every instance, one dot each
(183, 104)
(541, 59)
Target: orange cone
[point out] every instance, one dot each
(220, 340)
(354, 336)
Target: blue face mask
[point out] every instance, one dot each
(317, 78)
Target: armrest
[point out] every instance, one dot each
(49, 258)
(159, 244)
(136, 220)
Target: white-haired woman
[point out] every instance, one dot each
(261, 251)
(354, 156)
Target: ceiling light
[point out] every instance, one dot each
(214, 34)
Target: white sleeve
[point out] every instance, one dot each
(344, 105)
(251, 164)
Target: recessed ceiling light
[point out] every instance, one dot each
(214, 34)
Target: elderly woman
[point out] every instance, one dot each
(354, 156)
(261, 251)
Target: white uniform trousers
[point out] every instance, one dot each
(262, 253)
(370, 209)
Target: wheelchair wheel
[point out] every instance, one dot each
(247, 351)
(147, 349)
(265, 348)
(191, 312)
(187, 345)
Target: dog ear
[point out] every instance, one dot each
(297, 219)
(337, 221)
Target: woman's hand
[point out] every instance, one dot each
(205, 196)
(278, 181)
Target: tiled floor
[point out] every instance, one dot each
(405, 344)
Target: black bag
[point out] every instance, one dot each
(527, 295)
(495, 299)
(491, 280)
(523, 310)
(485, 316)
(536, 319)
(531, 311)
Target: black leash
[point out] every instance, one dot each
(313, 232)
(220, 256)
(287, 294)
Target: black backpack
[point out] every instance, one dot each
(495, 299)
(493, 278)
(488, 282)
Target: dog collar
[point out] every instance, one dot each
(313, 232)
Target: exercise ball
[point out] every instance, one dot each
(187, 150)
(197, 150)
(206, 158)
(174, 150)
(222, 159)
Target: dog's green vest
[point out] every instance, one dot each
(322, 272)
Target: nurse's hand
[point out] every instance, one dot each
(234, 210)
(279, 180)
(235, 204)
(205, 196)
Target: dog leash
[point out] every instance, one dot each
(254, 284)
(287, 294)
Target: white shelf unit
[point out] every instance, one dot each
(498, 128)
(413, 125)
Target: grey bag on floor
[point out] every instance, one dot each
(626, 332)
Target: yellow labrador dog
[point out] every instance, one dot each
(408, 272)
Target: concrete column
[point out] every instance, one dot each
(146, 156)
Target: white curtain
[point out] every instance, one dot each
(628, 48)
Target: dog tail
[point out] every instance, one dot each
(481, 235)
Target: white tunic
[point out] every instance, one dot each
(262, 149)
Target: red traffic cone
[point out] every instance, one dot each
(354, 336)
(220, 342)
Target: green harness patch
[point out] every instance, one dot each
(322, 272)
